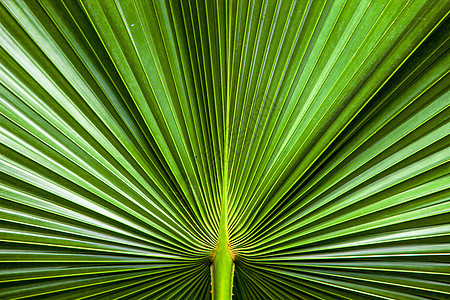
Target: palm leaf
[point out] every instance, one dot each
(270, 149)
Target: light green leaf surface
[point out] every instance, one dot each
(214, 149)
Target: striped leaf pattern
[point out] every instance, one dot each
(129, 129)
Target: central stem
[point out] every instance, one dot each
(223, 265)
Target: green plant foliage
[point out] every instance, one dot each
(186, 149)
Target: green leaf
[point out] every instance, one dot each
(204, 149)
